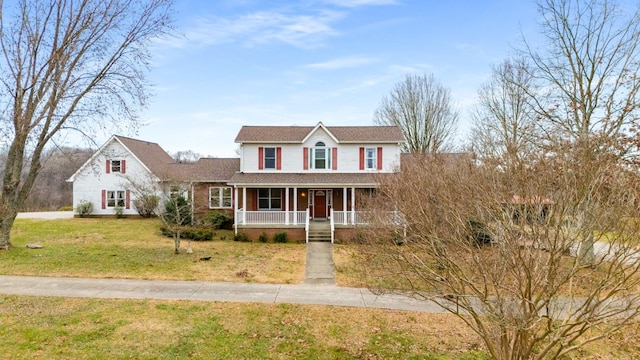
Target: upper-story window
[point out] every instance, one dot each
(269, 158)
(116, 166)
(320, 158)
(370, 160)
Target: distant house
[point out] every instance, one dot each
(305, 180)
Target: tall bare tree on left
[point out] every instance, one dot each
(68, 65)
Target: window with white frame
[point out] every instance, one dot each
(220, 197)
(370, 159)
(320, 156)
(116, 166)
(269, 199)
(269, 158)
(115, 198)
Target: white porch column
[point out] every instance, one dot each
(344, 204)
(235, 207)
(353, 205)
(295, 206)
(286, 206)
(244, 206)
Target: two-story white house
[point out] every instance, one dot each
(288, 178)
(292, 175)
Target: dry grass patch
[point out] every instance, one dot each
(135, 249)
(355, 267)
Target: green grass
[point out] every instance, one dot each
(135, 249)
(57, 328)
(65, 328)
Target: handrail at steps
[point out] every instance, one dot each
(306, 226)
(332, 225)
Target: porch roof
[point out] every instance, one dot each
(367, 180)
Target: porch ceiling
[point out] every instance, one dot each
(307, 179)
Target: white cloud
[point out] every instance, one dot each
(262, 27)
(342, 63)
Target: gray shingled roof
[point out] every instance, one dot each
(295, 134)
(164, 166)
(207, 170)
(307, 179)
(151, 154)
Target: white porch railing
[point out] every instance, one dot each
(349, 217)
(270, 217)
(299, 217)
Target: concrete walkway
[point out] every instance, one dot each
(319, 267)
(209, 291)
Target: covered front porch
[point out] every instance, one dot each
(293, 206)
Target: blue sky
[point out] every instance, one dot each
(253, 62)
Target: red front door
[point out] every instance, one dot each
(319, 204)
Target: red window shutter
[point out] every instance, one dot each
(108, 166)
(361, 158)
(278, 158)
(127, 199)
(305, 158)
(104, 199)
(260, 158)
(380, 158)
(334, 158)
(123, 166)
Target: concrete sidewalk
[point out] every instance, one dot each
(209, 291)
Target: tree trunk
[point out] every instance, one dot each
(8, 214)
(176, 241)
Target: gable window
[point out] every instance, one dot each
(116, 166)
(269, 199)
(321, 157)
(220, 197)
(269, 158)
(115, 198)
(370, 159)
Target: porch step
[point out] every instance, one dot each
(319, 232)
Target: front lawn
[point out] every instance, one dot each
(135, 249)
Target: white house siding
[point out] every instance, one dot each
(293, 161)
(292, 158)
(93, 178)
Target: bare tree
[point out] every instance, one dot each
(591, 71)
(505, 130)
(68, 65)
(507, 264)
(422, 108)
(542, 259)
(186, 156)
